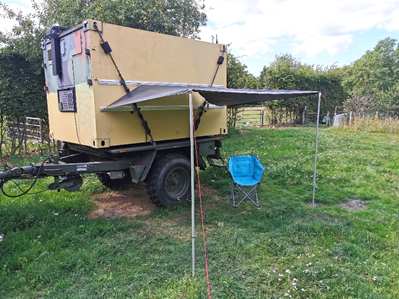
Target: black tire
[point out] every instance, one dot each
(169, 180)
(114, 184)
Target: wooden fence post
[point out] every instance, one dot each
(328, 119)
(262, 115)
(304, 115)
(41, 131)
(390, 124)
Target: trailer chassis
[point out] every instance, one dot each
(124, 164)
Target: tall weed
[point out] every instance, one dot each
(376, 124)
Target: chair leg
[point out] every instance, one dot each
(255, 192)
(247, 194)
(232, 193)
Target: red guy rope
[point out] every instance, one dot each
(202, 213)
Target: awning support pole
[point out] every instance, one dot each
(315, 152)
(192, 180)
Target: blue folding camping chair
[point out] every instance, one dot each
(246, 173)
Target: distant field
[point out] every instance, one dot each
(101, 244)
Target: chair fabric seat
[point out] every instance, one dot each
(246, 181)
(245, 171)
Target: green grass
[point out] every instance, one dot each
(51, 249)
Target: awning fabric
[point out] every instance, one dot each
(214, 95)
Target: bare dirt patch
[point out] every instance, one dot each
(206, 191)
(119, 204)
(133, 202)
(353, 205)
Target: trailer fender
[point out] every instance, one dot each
(140, 172)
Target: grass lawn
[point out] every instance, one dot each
(348, 247)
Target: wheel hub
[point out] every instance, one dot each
(176, 183)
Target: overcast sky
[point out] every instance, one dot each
(314, 31)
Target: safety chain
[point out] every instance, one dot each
(144, 123)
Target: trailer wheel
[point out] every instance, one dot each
(114, 184)
(168, 181)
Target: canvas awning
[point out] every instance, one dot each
(217, 96)
(214, 95)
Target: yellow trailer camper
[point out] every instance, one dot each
(82, 80)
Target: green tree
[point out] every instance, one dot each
(288, 73)
(373, 79)
(19, 94)
(174, 17)
(19, 87)
(238, 77)
(24, 38)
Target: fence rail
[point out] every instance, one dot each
(262, 116)
(251, 117)
(32, 129)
